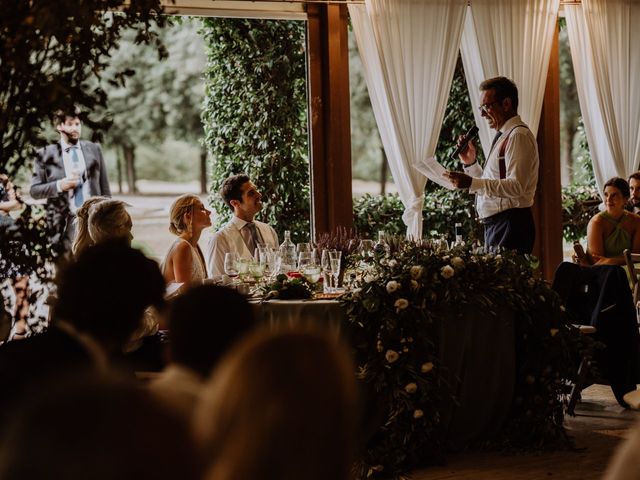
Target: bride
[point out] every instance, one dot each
(184, 262)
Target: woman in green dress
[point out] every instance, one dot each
(613, 230)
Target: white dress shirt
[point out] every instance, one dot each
(518, 188)
(229, 239)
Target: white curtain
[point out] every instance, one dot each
(511, 38)
(408, 50)
(604, 36)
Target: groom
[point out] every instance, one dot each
(68, 172)
(242, 233)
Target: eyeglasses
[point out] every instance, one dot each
(485, 107)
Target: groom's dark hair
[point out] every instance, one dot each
(232, 188)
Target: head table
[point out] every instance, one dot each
(477, 349)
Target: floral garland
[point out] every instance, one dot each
(392, 317)
(288, 288)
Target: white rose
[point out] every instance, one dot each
(416, 271)
(426, 367)
(392, 286)
(447, 271)
(393, 263)
(401, 303)
(411, 388)
(414, 285)
(369, 278)
(391, 356)
(417, 413)
(457, 263)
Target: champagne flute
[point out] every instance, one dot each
(326, 270)
(335, 257)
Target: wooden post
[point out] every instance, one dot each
(329, 117)
(548, 204)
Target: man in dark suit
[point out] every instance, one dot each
(70, 170)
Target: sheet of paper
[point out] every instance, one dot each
(434, 172)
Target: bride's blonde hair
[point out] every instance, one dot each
(181, 205)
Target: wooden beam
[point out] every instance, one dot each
(329, 117)
(548, 204)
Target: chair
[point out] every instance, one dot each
(633, 264)
(583, 373)
(599, 297)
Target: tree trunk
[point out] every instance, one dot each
(203, 170)
(129, 152)
(383, 172)
(119, 168)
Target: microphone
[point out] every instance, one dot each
(473, 131)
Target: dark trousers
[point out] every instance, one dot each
(512, 229)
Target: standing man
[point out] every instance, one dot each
(71, 170)
(506, 187)
(242, 234)
(634, 190)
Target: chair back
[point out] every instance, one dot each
(633, 264)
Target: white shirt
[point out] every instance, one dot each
(229, 239)
(518, 188)
(70, 170)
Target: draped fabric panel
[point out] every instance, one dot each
(409, 50)
(511, 38)
(605, 46)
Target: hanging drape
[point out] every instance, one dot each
(604, 37)
(510, 38)
(408, 50)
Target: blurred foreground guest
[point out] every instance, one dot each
(625, 464)
(203, 323)
(101, 299)
(282, 407)
(184, 262)
(99, 429)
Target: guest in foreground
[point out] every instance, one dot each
(100, 219)
(625, 464)
(613, 230)
(242, 233)
(101, 300)
(184, 262)
(295, 393)
(70, 169)
(506, 187)
(203, 323)
(99, 428)
(633, 205)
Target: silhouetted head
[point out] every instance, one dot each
(204, 322)
(105, 292)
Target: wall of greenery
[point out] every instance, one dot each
(255, 115)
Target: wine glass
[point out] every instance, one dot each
(304, 259)
(242, 265)
(231, 265)
(303, 247)
(311, 273)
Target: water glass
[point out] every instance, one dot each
(325, 264)
(311, 273)
(303, 247)
(304, 259)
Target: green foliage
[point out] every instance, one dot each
(285, 288)
(579, 204)
(255, 115)
(394, 319)
(442, 210)
(52, 55)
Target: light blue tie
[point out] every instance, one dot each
(78, 196)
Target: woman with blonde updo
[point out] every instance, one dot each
(184, 262)
(82, 239)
